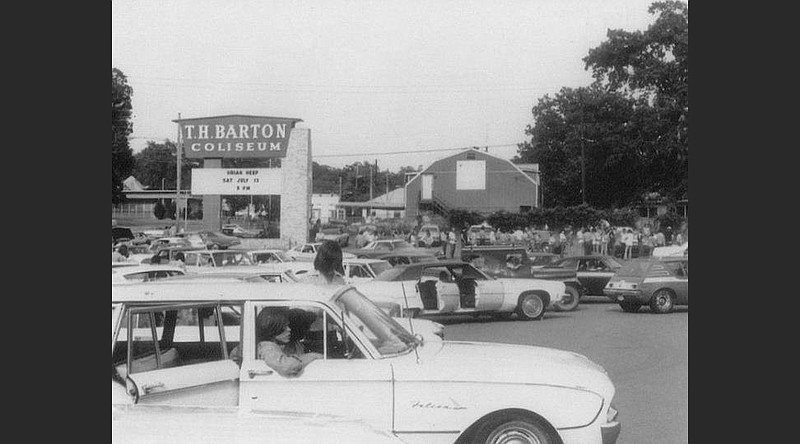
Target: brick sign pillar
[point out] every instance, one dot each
(296, 196)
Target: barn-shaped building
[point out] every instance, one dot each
(473, 180)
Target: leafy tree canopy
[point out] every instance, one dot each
(630, 127)
(121, 154)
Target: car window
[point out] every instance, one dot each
(174, 336)
(380, 266)
(383, 246)
(313, 329)
(307, 249)
(141, 276)
(633, 269)
(569, 263)
(359, 271)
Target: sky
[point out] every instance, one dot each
(401, 82)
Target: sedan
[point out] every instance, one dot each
(308, 251)
(144, 273)
(660, 283)
(593, 271)
(405, 257)
(456, 287)
(336, 234)
(212, 240)
(383, 246)
(238, 231)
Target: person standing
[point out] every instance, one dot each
(604, 238)
(443, 239)
(588, 239)
(451, 243)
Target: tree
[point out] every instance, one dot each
(591, 122)
(122, 161)
(631, 124)
(654, 66)
(156, 162)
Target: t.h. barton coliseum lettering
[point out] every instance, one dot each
(238, 131)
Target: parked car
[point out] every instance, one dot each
(357, 270)
(157, 423)
(661, 283)
(435, 236)
(198, 259)
(382, 246)
(672, 250)
(238, 231)
(515, 262)
(268, 256)
(337, 234)
(213, 240)
(144, 273)
(593, 271)
(308, 251)
(456, 287)
(173, 241)
(372, 369)
(120, 234)
(404, 257)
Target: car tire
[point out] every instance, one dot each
(630, 307)
(663, 301)
(530, 306)
(570, 302)
(516, 428)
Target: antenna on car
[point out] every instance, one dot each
(410, 321)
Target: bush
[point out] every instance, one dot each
(158, 210)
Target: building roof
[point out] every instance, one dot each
(528, 167)
(132, 184)
(392, 200)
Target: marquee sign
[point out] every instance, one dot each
(236, 181)
(235, 136)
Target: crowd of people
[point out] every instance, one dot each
(601, 238)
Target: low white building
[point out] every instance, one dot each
(324, 207)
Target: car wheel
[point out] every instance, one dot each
(517, 430)
(530, 306)
(571, 301)
(630, 307)
(662, 301)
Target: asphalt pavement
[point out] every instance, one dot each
(646, 356)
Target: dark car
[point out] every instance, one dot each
(121, 234)
(661, 283)
(508, 261)
(404, 257)
(337, 234)
(593, 271)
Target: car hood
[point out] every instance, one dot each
(520, 364)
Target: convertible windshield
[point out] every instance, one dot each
(386, 335)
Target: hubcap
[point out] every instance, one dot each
(514, 435)
(532, 306)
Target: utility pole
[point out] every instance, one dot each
(178, 181)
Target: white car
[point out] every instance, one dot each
(456, 287)
(268, 256)
(372, 368)
(198, 259)
(144, 273)
(672, 250)
(308, 251)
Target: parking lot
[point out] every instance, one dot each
(646, 355)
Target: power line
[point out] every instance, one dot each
(415, 151)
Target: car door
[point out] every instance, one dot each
(334, 385)
(176, 355)
(596, 274)
(679, 274)
(489, 293)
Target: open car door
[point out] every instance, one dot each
(177, 355)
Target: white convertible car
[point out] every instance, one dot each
(372, 368)
(456, 287)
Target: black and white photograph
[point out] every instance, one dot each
(362, 221)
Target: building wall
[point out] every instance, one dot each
(323, 207)
(506, 189)
(296, 188)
